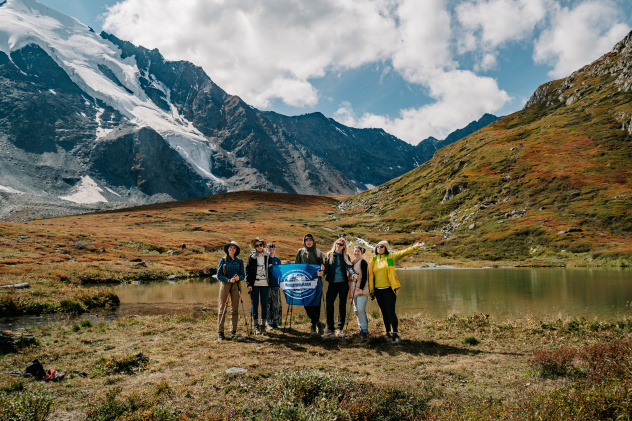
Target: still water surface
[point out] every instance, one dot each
(506, 293)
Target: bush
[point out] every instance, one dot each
(134, 408)
(70, 306)
(471, 340)
(554, 363)
(128, 365)
(312, 395)
(25, 405)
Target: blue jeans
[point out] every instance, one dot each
(259, 295)
(359, 305)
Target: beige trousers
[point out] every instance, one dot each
(225, 289)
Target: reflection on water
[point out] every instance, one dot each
(505, 293)
(517, 292)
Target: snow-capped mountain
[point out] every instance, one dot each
(92, 120)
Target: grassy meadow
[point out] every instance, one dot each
(173, 368)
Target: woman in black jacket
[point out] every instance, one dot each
(258, 285)
(338, 268)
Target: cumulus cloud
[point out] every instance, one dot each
(579, 35)
(264, 51)
(496, 22)
(261, 50)
(461, 97)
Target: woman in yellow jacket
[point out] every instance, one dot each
(383, 283)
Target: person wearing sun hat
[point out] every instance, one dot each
(383, 283)
(258, 284)
(230, 271)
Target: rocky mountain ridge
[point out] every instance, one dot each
(97, 122)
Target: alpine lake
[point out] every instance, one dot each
(437, 292)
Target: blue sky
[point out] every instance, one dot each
(415, 68)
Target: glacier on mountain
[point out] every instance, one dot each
(80, 52)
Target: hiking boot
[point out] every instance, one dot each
(269, 328)
(395, 338)
(388, 335)
(313, 331)
(233, 334)
(364, 336)
(328, 334)
(220, 336)
(321, 328)
(258, 329)
(358, 333)
(339, 333)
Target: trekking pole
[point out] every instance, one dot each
(287, 314)
(243, 310)
(349, 312)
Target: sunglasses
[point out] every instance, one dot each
(271, 246)
(379, 247)
(259, 245)
(340, 244)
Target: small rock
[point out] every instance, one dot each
(172, 278)
(472, 226)
(507, 178)
(83, 245)
(136, 260)
(236, 370)
(101, 250)
(21, 285)
(561, 232)
(123, 256)
(23, 237)
(183, 246)
(172, 252)
(205, 309)
(575, 230)
(141, 264)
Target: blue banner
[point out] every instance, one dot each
(300, 283)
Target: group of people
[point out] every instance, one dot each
(348, 278)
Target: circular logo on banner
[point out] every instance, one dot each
(298, 284)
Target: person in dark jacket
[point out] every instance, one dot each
(258, 285)
(230, 273)
(359, 290)
(338, 268)
(309, 254)
(275, 309)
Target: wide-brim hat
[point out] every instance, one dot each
(232, 243)
(258, 240)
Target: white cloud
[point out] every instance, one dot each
(270, 50)
(578, 36)
(496, 22)
(461, 97)
(261, 50)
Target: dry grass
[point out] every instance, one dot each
(187, 364)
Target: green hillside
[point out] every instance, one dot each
(537, 185)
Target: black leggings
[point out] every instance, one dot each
(386, 299)
(313, 312)
(337, 290)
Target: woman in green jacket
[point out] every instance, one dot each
(383, 283)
